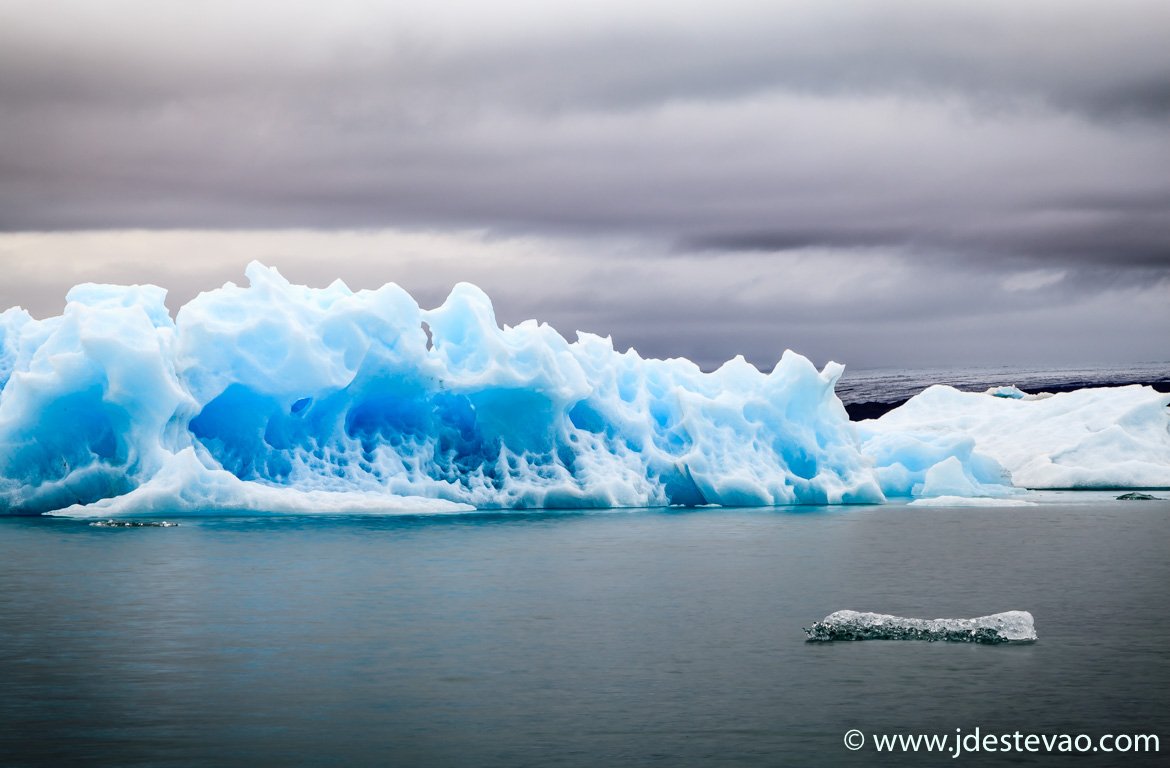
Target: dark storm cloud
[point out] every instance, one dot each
(1083, 235)
(966, 158)
(139, 115)
(863, 308)
(1104, 60)
(796, 238)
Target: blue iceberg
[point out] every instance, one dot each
(277, 398)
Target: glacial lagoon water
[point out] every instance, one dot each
(643, 637)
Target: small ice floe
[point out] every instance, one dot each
(1135, 496)
(1008, 627)
(133, 524)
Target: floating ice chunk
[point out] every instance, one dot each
(1008, 627)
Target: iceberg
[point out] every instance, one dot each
(1108, 437)
(276, 398)
(1008, 627)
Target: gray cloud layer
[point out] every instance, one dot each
(862, 307)
(983, 138)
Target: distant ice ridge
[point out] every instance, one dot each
(1008, 627)
(280, 398)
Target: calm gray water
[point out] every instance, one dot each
(622, 638)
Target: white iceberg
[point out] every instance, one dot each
(1110, 437)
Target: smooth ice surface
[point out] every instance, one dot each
(280, 398)
(1008, 627)
(1117, 437)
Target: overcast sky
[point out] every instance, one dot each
(880, 183)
